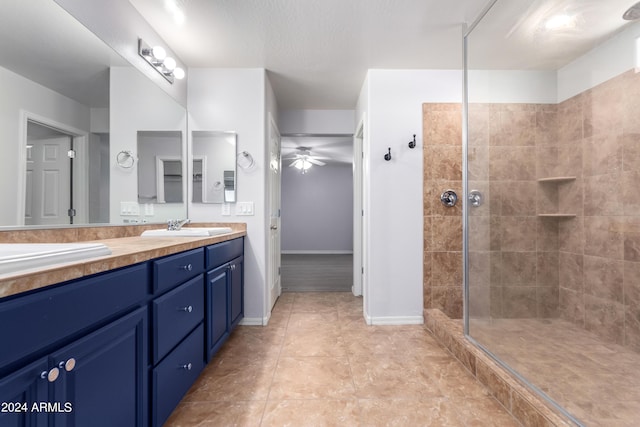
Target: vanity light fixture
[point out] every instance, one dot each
(157, 57)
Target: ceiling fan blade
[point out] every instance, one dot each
(295, 162)
(315, 162)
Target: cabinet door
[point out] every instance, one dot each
(19, 392)
(217, 321)
(103, 376)
(237, 292)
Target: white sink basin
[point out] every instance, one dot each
(22, 256)
(187, 232)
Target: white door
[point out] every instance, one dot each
(274, 213)
(48, 181)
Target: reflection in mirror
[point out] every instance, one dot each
(214, 167)
(54, 81)
(160, 167)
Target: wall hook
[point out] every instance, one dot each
(412, 144)
(387, 156)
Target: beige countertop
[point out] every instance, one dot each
(124, 251)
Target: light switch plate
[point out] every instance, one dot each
(244, 208)
(129, 209)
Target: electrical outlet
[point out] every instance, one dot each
(226, 209)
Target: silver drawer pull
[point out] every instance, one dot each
(187, 309)
(51, 375)
(68, 365)
(186, 367)
(187, 267)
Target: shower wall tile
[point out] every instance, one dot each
(605, 318)
(572, 306)
(547, 299)
(570, 120)
(479, 121)
(630, 192)
(632, 239)
(480, 239)
(518, 233)
(519, 302)
(603, 237)
(632, 327)
(547, 235)
(547, 161)
(631, 150)
(603, 111)
(478, 162)
(602, 154)
(512, 163)
(602, 195)
(571, 271)
(518, 269)
(546, 125)
(442, 152)
(631, 98)
(512, 125)
(443, 124)
(445, 268)
(518, 198)
(603, 278)
(571, 197)
(547, 197)
(479, 269)
(571, 235)
(547, 269)
(570, 158)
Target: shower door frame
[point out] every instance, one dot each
(466, 31)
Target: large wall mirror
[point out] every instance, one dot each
(59, 124)
(213, 166)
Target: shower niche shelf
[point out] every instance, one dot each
(557, 179)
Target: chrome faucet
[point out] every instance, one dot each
(176, 224)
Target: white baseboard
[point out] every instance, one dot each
(328, 252)
(254, 321)
(399, 320)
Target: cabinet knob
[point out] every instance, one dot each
(68, 365)
(186, 367)
(50, 375)
(187, 267)
(187, 309)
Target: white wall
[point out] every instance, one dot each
(317, 121)
(23, 95)
(317, 209)
(238, 100)
(392, 101)
(137, 104)
(512, 86)
(611, 58)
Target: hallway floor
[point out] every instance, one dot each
(319, 364)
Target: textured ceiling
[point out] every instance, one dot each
(317, 52)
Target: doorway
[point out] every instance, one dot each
(49, 197)
(317, 212)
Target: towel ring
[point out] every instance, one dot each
(125, 159)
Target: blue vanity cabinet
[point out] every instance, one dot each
(76, 353)
(177, 329)
(224, 292)
(103, 378)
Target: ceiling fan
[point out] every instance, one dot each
(303, 160)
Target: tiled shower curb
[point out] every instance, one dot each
(523, 404)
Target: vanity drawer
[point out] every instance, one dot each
(175, 269)
(173, 377)
(222, 253)
(175, 314)
(50, 316)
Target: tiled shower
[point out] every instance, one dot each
(554, 247)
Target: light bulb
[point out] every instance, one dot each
(158, 53)
(169, 64)
(178, 73)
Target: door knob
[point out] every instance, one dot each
(274, 227)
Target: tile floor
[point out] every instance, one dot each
(595, 381)
(319, 364)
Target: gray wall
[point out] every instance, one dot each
(317, 209)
